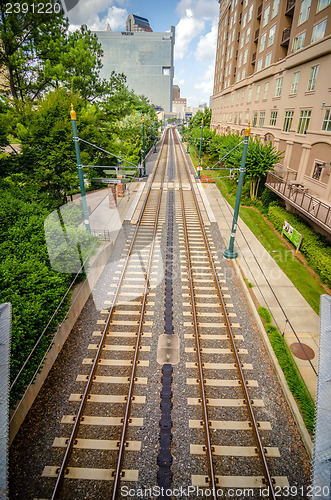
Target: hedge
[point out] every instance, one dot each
(314, 247)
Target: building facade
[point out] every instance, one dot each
(272, 68)
(137, 23)
(147, 60)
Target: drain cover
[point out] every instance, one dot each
(298, 351)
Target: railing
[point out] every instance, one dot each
(290, 7)
(253, 58)
(256, 36)
(259, 12)
(286, 35)
(296, 195)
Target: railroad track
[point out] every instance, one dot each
(225, 436)
(210, 319)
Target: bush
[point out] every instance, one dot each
(314, 246)
(265, 314)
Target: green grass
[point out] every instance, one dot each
(301, 278)
(293, 378)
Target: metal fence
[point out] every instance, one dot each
(297, 196)
(5, 334)
(322, 448)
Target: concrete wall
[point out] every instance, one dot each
(79, 298)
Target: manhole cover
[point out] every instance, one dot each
(298, 351)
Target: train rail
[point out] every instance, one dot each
(180, 327)
(189, 199)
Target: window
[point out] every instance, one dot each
(259, 64)
(258, 89)
(240, 60)
(245, 56)
(262, 117)
(246, 116)
(279, 84)
(235, 118)
(322, 4)
(248, 34)
(249, 95)
(298, 42)
(312, 77)
(317, 172)
(246, 3)
(250, 13)
(318, 31)
(243, 73)
(242, 97)
(238, 76)
(266, 16)
(165, 70)
(304, 11)
(272, 32)
(275, 7)
(242, 39)
(273, 118)
(244, 20)
(295, 81)
(266, 88)
(254, 119)
(240, 118)
(267, 60)
(304, 121)
(237, 101)
(262, 42)
(232, 99)
(327, 121)
(288, 121)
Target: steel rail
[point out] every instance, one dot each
(117, 474)
(254, 424)
(209, 450)
(74, 432)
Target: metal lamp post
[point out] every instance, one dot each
(188, 134)
(154, 135)
(144, 160)
(230, 253)
(80, 168)
(199, 166)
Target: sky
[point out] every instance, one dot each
(196, 24)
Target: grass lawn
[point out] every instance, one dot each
(301, 278)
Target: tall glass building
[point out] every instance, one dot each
(147, 60)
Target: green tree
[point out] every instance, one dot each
(261, 158)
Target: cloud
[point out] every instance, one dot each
(186, 30)
(206, 48)
(97, 14)
(207, 81)
(195, 14)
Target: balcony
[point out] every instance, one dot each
(259, 12)
(240, 17)
(256, 36)
(238, 37)
(253, 58)
(296, 195)
(290, 8)
(286, 36)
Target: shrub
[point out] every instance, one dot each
(265, 314)
(314, 246)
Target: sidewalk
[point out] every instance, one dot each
(272, 287)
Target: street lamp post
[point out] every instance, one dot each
(199, 166)
(144, 159)
(154, 135)
(188, 134)
(230, 253)
(80, 168)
